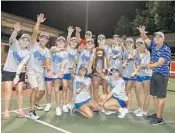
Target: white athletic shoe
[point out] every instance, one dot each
(65, 109)
(110, 112)
(137, 110)
(33, 116)
(141, 114)
(69, 106)
(122, 112)
(48, 107)
(103, 111)
(58, 111)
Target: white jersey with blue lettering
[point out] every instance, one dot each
(118, 88)
(130, 67)
(71, 58)
(142, 59)
(14, 57)
(57, 60)
(83, 59)
(37, 59)
(115, 62)
(85, 92)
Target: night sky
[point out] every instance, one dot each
(103, 16)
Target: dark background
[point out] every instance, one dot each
(103, 16)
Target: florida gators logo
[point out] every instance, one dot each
(71, 57)
(17, 57)
(38, 56)
(85, 58)
(78, 84)
(57, 59)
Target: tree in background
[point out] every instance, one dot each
(157, 15)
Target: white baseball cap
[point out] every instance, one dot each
(161, 34)
(44, 34)
(140, 40)
(61, 38)
(101, 36)
(129, 40)
(26, 36)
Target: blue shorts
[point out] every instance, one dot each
(50, 79)
(142, 78)
(122, 103)
(65, 76)
(78, 105)
(129, 78)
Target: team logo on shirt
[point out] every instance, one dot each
(78, 84)
(115, 52)
(57, 59)
(17, 57)
(38, 56)
(71, 57)
(85, 58)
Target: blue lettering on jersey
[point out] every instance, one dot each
(85, 58)
(115, 52)
(57, 59)
(71, 57)
(39, 56)
(78, 84)
(17, 57)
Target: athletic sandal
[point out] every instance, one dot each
(21, 114)
(6, 115)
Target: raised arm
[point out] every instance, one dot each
(77, 34)
(40, 19)
(70, 30)
(143, 35)
(17, 28)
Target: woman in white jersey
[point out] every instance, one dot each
(129, 68)
(143, 77)
(59, 57)
(84, 103)
(117, 99)
(17, 52)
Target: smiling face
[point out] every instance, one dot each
(82, 71)
(60, 43)
(43, 40)
(158, 39)
(73, 43)
(24, 42)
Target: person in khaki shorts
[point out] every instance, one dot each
(39, 55)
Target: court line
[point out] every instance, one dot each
(22, 108)
(10, 98)
(47, 124)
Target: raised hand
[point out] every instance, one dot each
(78, 29)
(142, 29)
(40, 18)
(17, 27)
(70, 29)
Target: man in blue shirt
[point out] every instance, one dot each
(160, 59)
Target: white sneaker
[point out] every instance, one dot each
(110, 112)
(137, 111)
(48, 106)
(33, 116)
(141, 114)
(65, 109)
(122, 112)
(58, 111)
(69, 106)
(103, 111)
